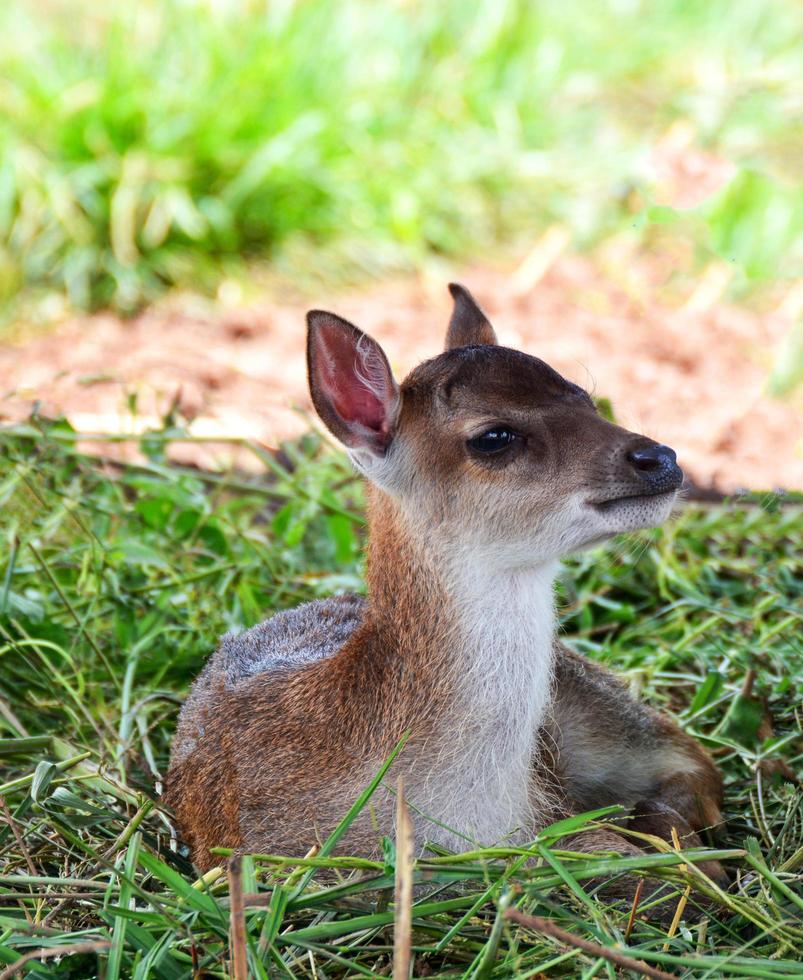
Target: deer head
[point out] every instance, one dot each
(486, 444)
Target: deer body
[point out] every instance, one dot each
(472, 689)
(484, 468)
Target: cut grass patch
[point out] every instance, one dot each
(115, 583)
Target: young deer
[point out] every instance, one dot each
(484, 468)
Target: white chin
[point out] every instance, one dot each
(631, 513)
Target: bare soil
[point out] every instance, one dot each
(676, 361)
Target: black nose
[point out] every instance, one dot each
(657, 467)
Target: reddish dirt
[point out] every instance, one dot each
(677, 362)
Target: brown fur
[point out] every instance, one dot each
(269, 758)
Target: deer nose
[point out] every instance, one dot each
(657, 467)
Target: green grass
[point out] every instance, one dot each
(115, 583)
(164, 142)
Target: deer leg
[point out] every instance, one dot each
(613, 749)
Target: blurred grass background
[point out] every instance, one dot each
(168, 142)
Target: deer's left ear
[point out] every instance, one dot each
(351, 383)
(469, 326)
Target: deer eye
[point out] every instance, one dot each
(493, 441)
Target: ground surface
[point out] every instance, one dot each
(676, 361)
(115, 588)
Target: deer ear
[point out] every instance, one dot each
(469, 326)
(351, 383)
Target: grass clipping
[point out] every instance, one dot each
(115, 582)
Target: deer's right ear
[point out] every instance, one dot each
(469, 326)
(351, 383)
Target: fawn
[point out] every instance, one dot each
(484, 468)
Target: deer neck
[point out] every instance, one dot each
(476, 633)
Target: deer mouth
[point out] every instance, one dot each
(614, 503)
